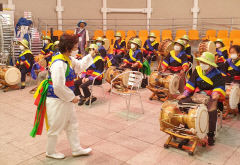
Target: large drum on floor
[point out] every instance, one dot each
(9, 75)
(106, 44)
(40, 60)
(165, 80)
(172, 119)
(207, 46)
(233, 94)
(165, 46)
(112, 72)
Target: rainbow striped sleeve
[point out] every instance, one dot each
(221, 91)
(190, 87)
(140, 65)
(27, 64)
(126, 61)
(165, 63)
(185, 65)
(42, 52)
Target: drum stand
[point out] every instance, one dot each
(7, 87)
(173, 143)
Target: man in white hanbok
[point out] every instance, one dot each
(60, 105)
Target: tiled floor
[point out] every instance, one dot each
(114, 140)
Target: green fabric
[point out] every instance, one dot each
(146, 68)
(40, 107)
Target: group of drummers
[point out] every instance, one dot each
(208, 77)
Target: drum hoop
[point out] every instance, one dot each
(199, 112)
(10, 69)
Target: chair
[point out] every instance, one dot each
(143, 33)
(98, 33)
(44, 33)
(131, 33)
(166, 34)
(134, 83)
(57, 33)
(193, 34)
(187, 72)
(180, 33)
(110, 36)
(157, 33)
(222, 34)
(210, 35)
(69, 31)
(143, 39)
(234, 34)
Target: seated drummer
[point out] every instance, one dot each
(186, 40)
(232, 66)
(177, 62)
(134, 59)
(206, 79)
(150, 48)
(119, 49)
(24, 61)
(88, 76)
(47, 49)
(221, 54)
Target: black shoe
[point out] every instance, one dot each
(93, 99)
(211, 140)
(22, 87)
(81, 101)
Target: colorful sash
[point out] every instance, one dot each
(150, 45)
(232, 65)
(40, 99)
(176, 58)
(202, 76)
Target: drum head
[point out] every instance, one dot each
(107, 43)
(211, 47)
(174, 84)
(109, 72)
(12, 76)
(234, 96)
(201, 124)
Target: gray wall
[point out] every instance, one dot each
(90, 10)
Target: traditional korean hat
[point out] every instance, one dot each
(82, 21)
(100, 39)
(181, 42)
(137, 41)
(118, 34)
(152, 35)
(208, 58)
(219, 40)
(25, 43)
(185, 37)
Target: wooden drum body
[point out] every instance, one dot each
(165, 46)
(207, 46)
(112, 72)
(168, 81)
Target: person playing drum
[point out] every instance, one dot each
(55, 98)
(221, 55)
(186, 40)
(150, 48)
(25, 61)
(134, 59)
(88, 76)
(206, 79)
(177, 62)
(47, 49)
(119, 49)
(232, 66)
